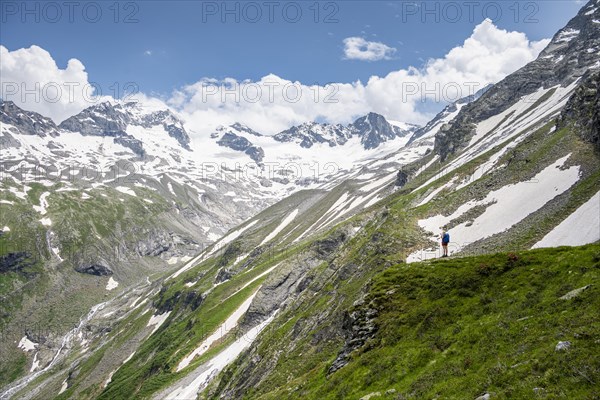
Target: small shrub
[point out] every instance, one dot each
(484, 269)
(512, 258)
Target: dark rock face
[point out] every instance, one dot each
(100, 120)
(239, 143)
(564, 60)
(582, 111)
(108, 120)
(256, 153)
(26, 122)
(326, 247)
(358, 327)
(131, 143)
(94, 269)
(244, 128)
(223, 275)
(401, 178)
(14, 262)
(193, 299)
(373, 130)
(234, 142)
(179, 133)
(180, 300)
(157, 242)
(7, 140)
(230, 254)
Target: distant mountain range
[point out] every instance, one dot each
(242, 274)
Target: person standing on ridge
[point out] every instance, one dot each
(445, 240)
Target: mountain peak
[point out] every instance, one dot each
(26, 122)
(571, 53)
(112, 119)
(374, 129)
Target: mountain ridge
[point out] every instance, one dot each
(289, 303)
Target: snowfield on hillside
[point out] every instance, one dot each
(581, 227)
(505, 207)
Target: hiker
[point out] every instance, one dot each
(445, 240)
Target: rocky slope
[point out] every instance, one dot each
(582, 112)
(571, 53)
(290, 302)
(117, 195)
(372, 129)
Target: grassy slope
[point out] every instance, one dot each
(457, 328)
(45, 296)
(390, 233)
(296, 367)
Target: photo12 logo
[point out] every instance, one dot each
(270, 11)
(53, 12)
(267, 92)
(66, 92)
(471, 11)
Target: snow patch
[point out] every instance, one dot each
(221, 331)
(378, 183)
(27, 345)
(157, 321)
(126, 190)
(172, 260)
(36, 363)
(217, 363)
(372, 201)
(567, 35)
(128, 358)
(429, 197)
(64, 387)
(287, 220)
(230, 238)
(581, 227)
(42, 208)
(506, 207)
(22, 195)
(112, 284)
(170, 187)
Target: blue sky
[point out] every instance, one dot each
(170, 44)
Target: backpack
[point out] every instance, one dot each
(446, 238)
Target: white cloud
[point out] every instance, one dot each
(487, 56)
(272, 104)
(148, 52)
(357, 48)
(31, 78)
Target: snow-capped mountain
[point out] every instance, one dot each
(446, 115)
(107, 119)
(227, 137)
(131, 153)
(25, 122)
(572, 52)
(290, 298)
(372, 129)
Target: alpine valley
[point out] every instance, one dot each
(137, 263)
